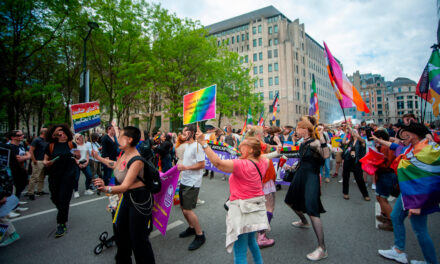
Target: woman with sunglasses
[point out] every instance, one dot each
(83, 164)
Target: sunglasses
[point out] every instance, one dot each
(19, 135)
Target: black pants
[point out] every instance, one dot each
(356, 168)
(61, 184)
(20, 178)
(132, 228)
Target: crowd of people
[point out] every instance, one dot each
(393, 156)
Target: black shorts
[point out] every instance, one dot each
(188, 196)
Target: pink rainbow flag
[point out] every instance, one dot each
(344, 85)
(199, 105)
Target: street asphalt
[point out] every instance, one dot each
(349, 227)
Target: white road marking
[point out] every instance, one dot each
(54, 209)
(169, 227)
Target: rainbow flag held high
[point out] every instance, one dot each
(418, 173)
(343, 84)
(431, 78)
(275, 105)
(85, 116)
(314, 107)
(261, 120)
(199, 105)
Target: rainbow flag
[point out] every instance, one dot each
(343, 84)
(275, 107)
(261, 120)
(85, 116)
(431, 77)
(418, 173)
(199, 105)
(314, 107)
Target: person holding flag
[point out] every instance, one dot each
(275, 105)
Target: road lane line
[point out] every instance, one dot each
(169, 227)
(54, 209)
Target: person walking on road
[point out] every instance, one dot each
(304, 194)
(191, 174)
(62, 170)
(135, 206)
(247, 208)
(109, 149)
(37, 148)
(83, 164)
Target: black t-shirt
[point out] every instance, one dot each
(109, 148)
(40, 147)
(61, 150)
(17, 167)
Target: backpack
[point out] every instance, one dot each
(151, 177)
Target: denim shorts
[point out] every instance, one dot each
(385, 183)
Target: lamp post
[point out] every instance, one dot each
(84, 94)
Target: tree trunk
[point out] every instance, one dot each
(219, 119)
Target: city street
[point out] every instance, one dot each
(349, 226)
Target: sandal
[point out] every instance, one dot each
(300, 224)
(346, 197)
(366, 198)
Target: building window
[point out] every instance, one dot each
(270, 43)
(242, 37)
(296, 68)
(261, 68)
(379, 112)
(260, 42)
(296, 55)
(269, 68)
(275, 65)
(254, 43)
(275, 41)
(277, 122)
(262, 95)
(409, 97)
(399, 90)
(275, 28)
(241, 59)
(275, 53)
(270, 30)
(238, 38)
(254, 30)
(260, 55)
(246, 59)
(270, 108)
(270, 95)
(255, 70)
(269, 54)
(259, 29)
(277, 81)
(409, 104)
(378, 92)
(409, 89)
(233, 39)
(261, 83)
(400, 105)
(256, 84)
(247, 36)
(379, 106)
(379, 99)
(255, 57)
(247, 47)
(270, 81)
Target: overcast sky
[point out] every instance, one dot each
(388, 37)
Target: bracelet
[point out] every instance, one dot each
(109, 189)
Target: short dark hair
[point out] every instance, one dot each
(52, 129)
(107, 127)
(417, 128)
(380, 133)
(133, 133)
(94, 137)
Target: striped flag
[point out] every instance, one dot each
(261, 120)
(314, 107)
(249, 117)
(275, 105)
(428, 87)
(343, 84)
(418, 173)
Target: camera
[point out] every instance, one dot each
(368, 131)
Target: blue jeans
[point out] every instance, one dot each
(419, 225)
(241, 246)
(327, 168)
(87, 174)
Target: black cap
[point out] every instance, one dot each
(417, 128)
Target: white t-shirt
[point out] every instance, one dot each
(83, 151)
(191, 156)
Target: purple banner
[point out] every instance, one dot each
(164, 199)
(280, 171)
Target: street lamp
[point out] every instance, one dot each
(84, 94)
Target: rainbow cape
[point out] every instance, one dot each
(418, 173)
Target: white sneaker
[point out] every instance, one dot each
(393, 254)
(340, 181)
(76, 195)
(418, 262)
(12, 214)
(88, 192)
(200, 202)
(373, 186)
(22, 203)
(21, 209)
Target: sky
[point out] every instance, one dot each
(387, 37)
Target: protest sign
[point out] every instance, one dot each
(4, 157)
(85, 116)
(199, 105)
(164, 199)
